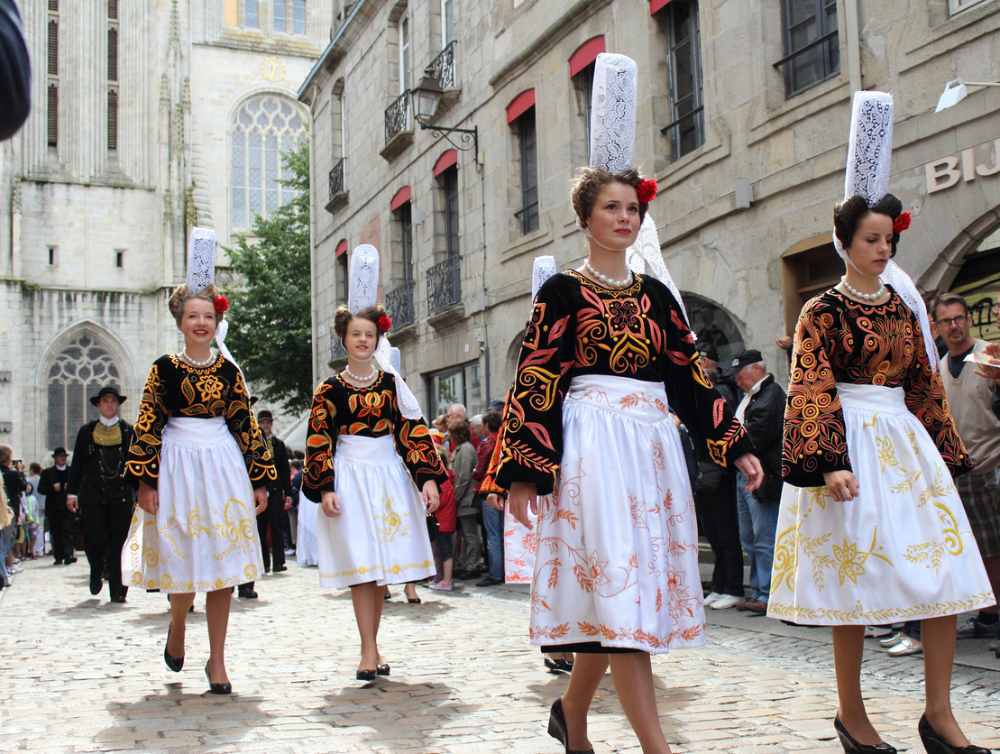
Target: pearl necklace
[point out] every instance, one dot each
(192, 362)
(609, 282)
(362, 380)
(864, 296)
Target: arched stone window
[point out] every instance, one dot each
(78, 372)
(262, 128)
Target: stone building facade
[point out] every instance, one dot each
(148, 117)
(744, 110)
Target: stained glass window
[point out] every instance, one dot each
(77, 374)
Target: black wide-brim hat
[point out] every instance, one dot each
(110, 390)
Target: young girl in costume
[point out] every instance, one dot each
(871, 529)
(371, 463)
(199, 464)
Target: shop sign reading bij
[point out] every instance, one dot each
(944, 173)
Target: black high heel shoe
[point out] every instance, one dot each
(217, 688)
(382, 669)
(176, 664)
(557, 728)
(934, 742)
(853, 747)
(366, 675)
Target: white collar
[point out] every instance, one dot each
(108, 422)
(61, 468)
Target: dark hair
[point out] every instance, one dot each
(35, 467)
(296, 464)
(492, 419)
(947, 299)
(342, 319)
(848, 214)
(590, 182)
(459, 430)
(182, 294)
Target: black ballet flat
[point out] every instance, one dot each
(176, 664)
(557, 728)
(853, 747)
(553, 666)
(366, 675)
(934, 742)
(565, 665)
(217, 688)
(382, 669)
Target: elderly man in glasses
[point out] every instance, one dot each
(970, 398)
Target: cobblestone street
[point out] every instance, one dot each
(80, 674)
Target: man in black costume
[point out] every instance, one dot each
(98, 492)
(279, 494)
(52, 484)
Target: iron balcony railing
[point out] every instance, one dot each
(444, 289)
(399, 305)
(443, 67)
(337, 350)
(337, 178)
(397, 116)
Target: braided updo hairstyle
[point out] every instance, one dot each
(590, 182)
(182, 294)
(343, 316)
(848, 214)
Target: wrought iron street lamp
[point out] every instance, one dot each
(426, 97)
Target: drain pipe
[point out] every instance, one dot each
(853, 45)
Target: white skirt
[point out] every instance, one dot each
(306, 551)
(520, 545)
(381, 532)
(204, 534)
(901, 550)
(617, 558)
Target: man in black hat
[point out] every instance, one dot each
(97, 490)
(762, 412)
(715, 501)
(52, 484)
(279, 494)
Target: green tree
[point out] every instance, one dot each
(270, 309)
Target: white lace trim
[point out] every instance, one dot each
(647, 247)
(201, 259)
(542, 269)
(612, 117)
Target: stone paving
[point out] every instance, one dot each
(80, 675)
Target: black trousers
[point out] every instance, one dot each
(105, 529)
(721, 527)
(61, 533)
(273, 518)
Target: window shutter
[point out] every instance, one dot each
(53, 113)
(53, 48)
(113, 120)
(112, 54)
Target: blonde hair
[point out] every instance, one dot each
(182, 294)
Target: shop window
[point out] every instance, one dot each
(812, 44)
(458, 384)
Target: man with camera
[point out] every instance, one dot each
(762, 412)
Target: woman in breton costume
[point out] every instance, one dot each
(604, 352)
(871, 529)
(199, 464)
(371, 463)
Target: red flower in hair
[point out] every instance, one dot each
(221, 304)
(384, 323)
(901, 223)
(646, 189)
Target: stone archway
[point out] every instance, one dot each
(714, 325)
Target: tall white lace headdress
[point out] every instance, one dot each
(869, 154)
(612, 146)
(363, 293)
(200, 273)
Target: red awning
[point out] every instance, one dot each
(445, 161)
(655, 5)
(402, 197)
(586, 54)
(521, 104)
(342, 247)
